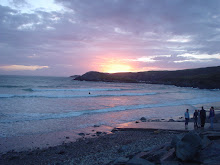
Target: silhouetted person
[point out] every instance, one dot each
(211, 116)
(195, 117)
(203, 117)
(199, 119)
(186, 118)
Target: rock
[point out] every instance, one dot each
(149, 149)
(156, 156)
(96, 126)
(175, 140)
(61, 152)
(98, 133)
(205, 142)
(81, 134)
(188, 146)
(67, 137)
(157, 131)
(211, 154)
(123, 148)
(171, 120)
(143, 119)
(155, 120)
(139, 161)
(14, 157)
(168, 156)
(181, 117)
(137, 122)
(121, 160)
(214, 136)
(114, 130)
(170, 163)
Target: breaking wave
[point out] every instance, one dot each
(45, 116)
(72, 96)
(77, 90)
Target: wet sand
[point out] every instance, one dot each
(94, 145)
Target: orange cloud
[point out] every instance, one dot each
(22, 67)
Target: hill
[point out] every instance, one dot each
(204, 78)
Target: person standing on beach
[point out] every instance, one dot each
(202, 117)
(186, 118)
(211, 116)
(199, 120)
(195, 117)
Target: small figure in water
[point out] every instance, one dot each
(186, 118)
(195, 117)
(202, 117)
(89, 93)
(211, 116)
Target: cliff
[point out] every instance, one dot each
(204, 78)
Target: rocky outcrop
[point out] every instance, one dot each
(208, 78)
(190, 148)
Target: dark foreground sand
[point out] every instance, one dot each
(103, 149)
(100, 150)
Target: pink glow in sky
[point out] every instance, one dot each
(67, 37)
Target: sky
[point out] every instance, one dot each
(71, 37)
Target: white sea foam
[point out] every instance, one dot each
(74, 96)
(74, 89)
(45, 116)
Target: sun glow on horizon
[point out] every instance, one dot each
(115, 68)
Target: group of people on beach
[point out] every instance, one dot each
(199, 117)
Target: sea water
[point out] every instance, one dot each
(36, 105)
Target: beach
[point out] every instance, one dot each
(99, 150)
(54, 120)
(101, 146)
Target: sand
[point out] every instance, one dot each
(98, 145)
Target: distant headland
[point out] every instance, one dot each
(203, 78)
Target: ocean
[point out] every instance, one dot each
(31, 105)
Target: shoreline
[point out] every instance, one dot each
(94, 145)
(103, 148)
(100, 150)
(53, 139)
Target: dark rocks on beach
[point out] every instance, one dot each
(211, 154)
(175, 140)
(123, 148)
(188, 146)
(143, 119)
(121, 160)
(155, 120)
(114, 130)
(171, 120)
(81, 134)
(139, 161)
(98, 133)
(96, 126)
(61, 152)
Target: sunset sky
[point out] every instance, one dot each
(68, 37)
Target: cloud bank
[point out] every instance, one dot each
(86, 35)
